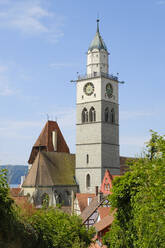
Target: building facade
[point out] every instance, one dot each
(97, 121)
(52, 173)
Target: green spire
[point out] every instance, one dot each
(97, 42)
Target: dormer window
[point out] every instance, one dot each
(89, 200)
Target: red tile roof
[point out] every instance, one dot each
(44, 141)
(20, 200)
(83, 200)
(104, 223)
(15, 191)
(93, 206)
(103, 211)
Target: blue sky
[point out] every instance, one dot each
(42, 47)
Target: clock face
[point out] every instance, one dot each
(109, 90)
(89, 89)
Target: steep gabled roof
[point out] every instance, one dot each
(45, 141)
(106, 185)
(103, 211)
(83, 199)
(93, 206)
(51, 168)
(97, 42)
(104, 223)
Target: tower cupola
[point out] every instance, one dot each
(97, 55)
(97, 42)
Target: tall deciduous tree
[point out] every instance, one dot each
(139, 196)
(56, 229)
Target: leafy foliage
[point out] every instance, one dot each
(13, 231)
(38, 229)
(7, 211)
(58, 229)
(139, 197)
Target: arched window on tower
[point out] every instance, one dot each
(112, 116)
(92, 114)
(106, 114)
(84, 115)
(88, 181)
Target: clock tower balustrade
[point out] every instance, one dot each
(97, 74)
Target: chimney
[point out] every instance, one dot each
(54, 140)
(96, 190)
(100, 196)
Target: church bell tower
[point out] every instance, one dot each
(97, 121)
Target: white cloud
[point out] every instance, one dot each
(133, 146)
(160, 2)
(127, 115)
(17, 129)
(5, 89)
(133, 140)
(65, 116)
(4, 2)
(20, 135)
(61, 65)
(3, 68)
(31, 17)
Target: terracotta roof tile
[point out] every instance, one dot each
(44, 141)
(104, 223)
(89, 210)
(15, 191)
(103, 211)
(20, 200)
(83, 200)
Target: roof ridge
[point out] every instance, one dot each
(90, 209)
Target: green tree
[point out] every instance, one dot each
(139, 196)
(57, 229)
(45, 228)
(14, 232)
